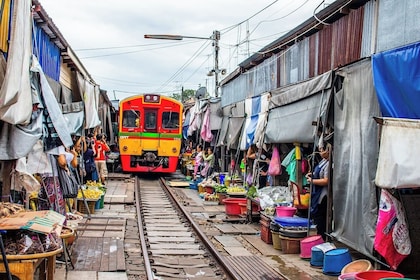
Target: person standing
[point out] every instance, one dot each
(319, 179)
(89, 162)
(198, 161)
(208, 163)
(101, 148)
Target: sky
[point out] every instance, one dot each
(108, 38)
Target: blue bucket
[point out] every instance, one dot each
(222, 179)
(194, 185)
(335, 260)
(317, 257)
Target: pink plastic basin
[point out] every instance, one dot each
(377, 275)
(285, 211)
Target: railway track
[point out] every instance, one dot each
(176, 248)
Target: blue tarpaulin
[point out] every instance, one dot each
(396, 75)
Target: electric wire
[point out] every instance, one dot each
(233, 52)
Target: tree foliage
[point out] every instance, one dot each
(187, 94)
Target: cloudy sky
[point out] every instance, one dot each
(108, 38)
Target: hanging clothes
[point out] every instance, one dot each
(205, 133)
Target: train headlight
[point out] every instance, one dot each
(125, 148)
(174, 150)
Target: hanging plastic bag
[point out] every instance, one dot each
(392, 240)
(274, 167)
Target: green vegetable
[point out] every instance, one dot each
(252, 192)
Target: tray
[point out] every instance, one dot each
(291, 221)
(236, 193)
(211, 202)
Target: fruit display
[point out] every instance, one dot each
(90, 193)
(235, 189)
(220, 188)
(90, 183)
(211, 197)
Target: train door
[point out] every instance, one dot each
(150, 120)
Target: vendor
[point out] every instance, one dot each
(260, 160)
(319, 180)
(208, 163)
(198, 165)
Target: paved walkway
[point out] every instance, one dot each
(120, 189)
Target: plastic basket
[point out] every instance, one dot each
(82, 208)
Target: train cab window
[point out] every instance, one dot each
(170, 120)
(150, 120)
(131, 119)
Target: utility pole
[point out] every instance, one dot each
(216, 37)
(182, 94)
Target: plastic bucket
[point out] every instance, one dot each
(307, 243)
(335, 260)
(276, 240)
(377, 275)
(232, 205)
(285, 211)
(317, 257)
(243, 208)
(221, 179)
(193, 185)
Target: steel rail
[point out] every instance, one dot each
(143, 244)
(228, 269)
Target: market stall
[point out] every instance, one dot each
(32, 241)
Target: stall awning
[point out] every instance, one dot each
(231, 125)
(295, 108)
(397, 168)
(396, 76)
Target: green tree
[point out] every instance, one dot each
(187, 94)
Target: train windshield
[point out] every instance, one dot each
(170, 120)
(131, 119)
(150, 120)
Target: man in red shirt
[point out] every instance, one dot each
(100, 161)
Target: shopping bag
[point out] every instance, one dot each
(68, 183)
(274, 167)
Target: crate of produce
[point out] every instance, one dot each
(81, 207)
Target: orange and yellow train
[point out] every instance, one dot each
(150, 133)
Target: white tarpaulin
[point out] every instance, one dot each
(15, 92)
(398, 154)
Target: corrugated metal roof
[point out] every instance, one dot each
(330, 14)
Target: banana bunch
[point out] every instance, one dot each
(211, 197)
(93, 194)
(235, 189)
(93, 184)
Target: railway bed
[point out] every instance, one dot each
(183, 238)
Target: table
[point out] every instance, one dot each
(24, 266)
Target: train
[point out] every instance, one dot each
(149, 133)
